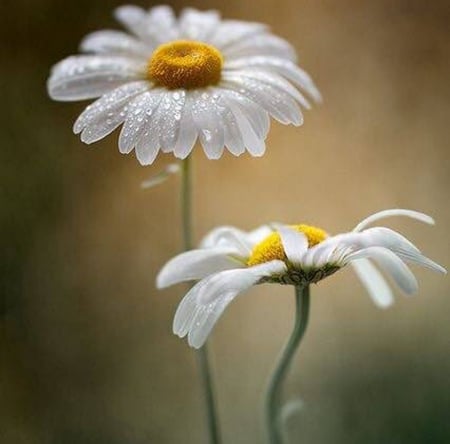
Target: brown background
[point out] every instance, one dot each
(87, 355)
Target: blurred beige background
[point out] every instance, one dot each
(86, 350)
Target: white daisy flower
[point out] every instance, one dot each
(173, 80)
(230, 261)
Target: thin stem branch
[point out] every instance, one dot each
(273, 396)
(202, 353)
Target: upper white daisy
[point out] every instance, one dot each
(173, 80)
(231, 261)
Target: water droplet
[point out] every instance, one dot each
(207, 135)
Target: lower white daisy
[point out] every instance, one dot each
(230, 261)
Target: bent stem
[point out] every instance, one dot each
(273, 396)
(202, 353)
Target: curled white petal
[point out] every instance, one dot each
(391, 264)
(205, 302)
(374, 282)
(394, 212)
(196, 264)
(385, 237)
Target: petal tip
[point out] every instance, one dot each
(161, 281)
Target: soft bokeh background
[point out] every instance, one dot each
(86, 351)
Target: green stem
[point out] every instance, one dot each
(273, 396)
(202, 353)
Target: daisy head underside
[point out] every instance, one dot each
(172, 81)
(271, 248)
(231, 261)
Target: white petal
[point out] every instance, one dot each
(89, 76)
(255, 145)
(374, 282)
(387, 238)
(114, 42)
(259, 234)
(154, 27)
(131, 17)
(420, 259)
(138, 119)
(187, 134)
(335, 257)
(107, 113)
(196, 264)
(318, 254)
(205, 302)
(147, 148)
(232, 31)
(159, 129)
(277, 103)
(390, 263)
(285, 67)
(162, 125)
(295, 244)
(169, 112)
(231, 237)
(273, 79)
(256, 115)
(209, 127)
(263, 44)
(324, 254)
(394, 212)
(232, 136)
(198, 25)
(345, 241)
(162, 24)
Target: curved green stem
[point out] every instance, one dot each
(202, 353)
(273, 396)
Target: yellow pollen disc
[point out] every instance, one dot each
(271, 248)
(185, 64)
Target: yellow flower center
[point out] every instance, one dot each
(271, 248)
(185, 64)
